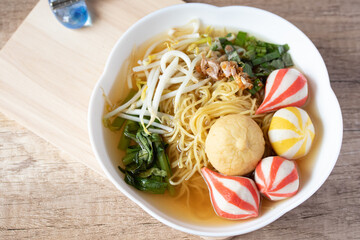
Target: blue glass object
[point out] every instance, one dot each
(71, 13)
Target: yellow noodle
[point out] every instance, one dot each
(197, 112)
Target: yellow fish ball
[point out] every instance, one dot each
(291, 132)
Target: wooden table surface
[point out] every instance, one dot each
(47, 194)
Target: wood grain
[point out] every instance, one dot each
(48, 71)
(47, 194)
(12, 14)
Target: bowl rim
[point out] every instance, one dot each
(91, 122)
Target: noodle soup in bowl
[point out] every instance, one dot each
(190, 214)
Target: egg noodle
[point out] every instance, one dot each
(197, 112)
(184, 101)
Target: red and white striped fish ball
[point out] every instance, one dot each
(284, 88)
(277, 178)
(232, 197)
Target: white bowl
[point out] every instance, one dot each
(323, 105)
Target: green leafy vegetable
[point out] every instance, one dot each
(286, 58)
(277, 64)
(250, 55)
(124, 141)
(224, 42)
(130, 154)
(234, 56)
(153, 171)
(151, 185)
(257, 85)
(117, 124)
(240, 38)
(130, 129)
(266, 58)
(248, 69)
(147, 166)
(257, 58)
(163, 160)
(260, 51)
(146, 152)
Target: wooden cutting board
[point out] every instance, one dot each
(47, 71)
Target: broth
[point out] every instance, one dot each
(200, 210)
